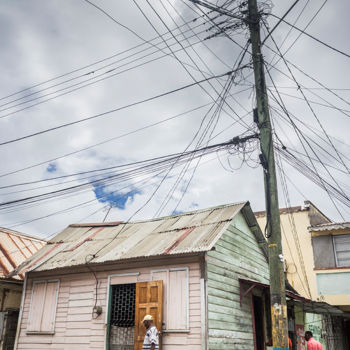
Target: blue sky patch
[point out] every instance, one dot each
(51, 168)
(176, 212)
(113, 197)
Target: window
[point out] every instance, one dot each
(341, 244)
(176, 298)
(42, 311)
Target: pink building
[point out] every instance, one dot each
(15, 248)
(93, 283)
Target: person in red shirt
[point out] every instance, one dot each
(312, 344)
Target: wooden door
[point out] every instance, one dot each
(148, 301)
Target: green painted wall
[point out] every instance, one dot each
(333, 283)
(236, 255)
(313, 323)
(299, 315)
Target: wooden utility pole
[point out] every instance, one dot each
(273, 228)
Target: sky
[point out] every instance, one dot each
(62, 61)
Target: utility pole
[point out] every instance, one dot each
(273, 228)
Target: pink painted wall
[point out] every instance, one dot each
(76, 329)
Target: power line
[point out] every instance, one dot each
(94, 80)
(184, 50)
(86, 66)
(220, 10)
(280, 20)
(312, 37)
(116, 109)
(142, 50)
(97, 144)
(291, 29)
(307, 25)
(300, 136)
(311, 129)
(310, 107)
(145, 166)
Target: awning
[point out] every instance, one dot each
(316, 307)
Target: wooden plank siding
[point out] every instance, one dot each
(75, 327)
(236, 255)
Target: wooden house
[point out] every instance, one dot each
(198, 273)
(15, 248)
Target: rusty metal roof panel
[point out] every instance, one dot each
(223, 214)
(15, 248)
(202, 238)
(331, 226)
(185, 233)
(191, 220)
(70, 234)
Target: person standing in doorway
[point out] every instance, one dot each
(151, 341)
(312, 344)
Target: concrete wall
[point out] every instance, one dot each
(10, 296)
(297, 252)
(307, 256)
(236, 255)
(334, 287)
(75, 327)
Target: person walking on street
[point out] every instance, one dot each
(151, 341)
(312, 344)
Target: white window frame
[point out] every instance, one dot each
(335, 250)
(30, 307)
(187, 295)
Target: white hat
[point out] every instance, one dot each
(147, 318)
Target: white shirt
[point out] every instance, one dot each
(151, 337)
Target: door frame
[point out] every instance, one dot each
(112, 280)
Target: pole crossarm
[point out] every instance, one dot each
(219, 9)
(239, 140)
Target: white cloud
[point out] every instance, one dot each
(42, 40)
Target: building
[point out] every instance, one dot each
(297, 245)
(317, 264)
(15, 247)
(331, 248)
(202, 275)
(331, 251)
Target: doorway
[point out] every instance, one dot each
(128, 304)
(259, 322)
(122, 317)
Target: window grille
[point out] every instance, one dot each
(123, 305)
(122, 321)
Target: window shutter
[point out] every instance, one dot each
(163, 276)
(342, 250)
(36, 306)
(176, 297)
(43, 305)
(48, 319)
(177, 306)
(148, 301)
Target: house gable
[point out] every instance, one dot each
(237, 254)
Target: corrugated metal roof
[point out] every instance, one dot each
(190, 232)
(331, 226)
(15, 248)
(282, 211)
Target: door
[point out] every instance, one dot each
(148, 301)
(11, 319)
(259, 322)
